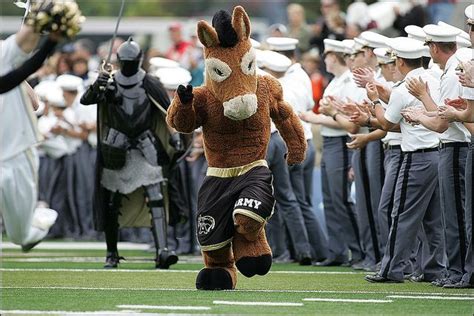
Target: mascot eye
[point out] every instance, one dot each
(250, 65)
(218, 72)
(247, 64)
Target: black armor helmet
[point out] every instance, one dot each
(129, 55)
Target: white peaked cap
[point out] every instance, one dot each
(171, 78)
(276, 61)
(415, 32)
(70, 82)
(260, 57)
(42, 89)
(255, 44)
(469, 12)
(334, 46)
(407, 48)
(282, 43)
(438, 33)
(55, 98)
(384, 55)
(462, 34)
(348, 46)
(371, 39)
(462, 42)
(160, 62)
(464, 54)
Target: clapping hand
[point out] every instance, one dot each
(417, 87)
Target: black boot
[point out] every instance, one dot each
(111, 230)
(112, 260)
(164, 256)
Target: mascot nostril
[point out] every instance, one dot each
(241, 107)
(236, 199)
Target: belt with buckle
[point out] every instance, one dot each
(453, 145)
(391, 147)
(423, 150)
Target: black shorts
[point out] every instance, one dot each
(250, 193)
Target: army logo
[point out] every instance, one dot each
(205, 224)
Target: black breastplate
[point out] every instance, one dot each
(131, 113)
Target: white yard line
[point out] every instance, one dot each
(469, 296)
(345, 300)
(257, 303)
(162, 271)
(65, 313)
(427, 297)
(166, 307)
(78, 245)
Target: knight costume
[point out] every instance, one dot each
(131, 110)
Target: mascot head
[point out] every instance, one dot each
(230, 62)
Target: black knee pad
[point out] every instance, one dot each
(250, 266)
(213, 279)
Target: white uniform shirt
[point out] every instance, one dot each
(391, 138)
(54, 145)
(450, 88)
(86, 114)
(468, 93)
(18, 125)
(297, 79)
(343, 87)
(413, 137)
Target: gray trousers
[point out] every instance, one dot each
(393, 159)
(301, 177)
(416, 206)
(452, 169)
(376, 170)
(341, 219)
(288, 212)
(468, 275)
(366, 213)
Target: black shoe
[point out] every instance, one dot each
(460, 285)
(112, 260)
(329, 263)
(417, 277)
(165, 259)
(359, 265)
(444, 281)
(28, 247)
(305, 260)
(377, 278)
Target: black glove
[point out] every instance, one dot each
(102, 81)
(175, 141)
(185, 93)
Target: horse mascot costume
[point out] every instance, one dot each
(234, 108)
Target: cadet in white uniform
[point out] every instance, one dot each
(466, 56)
(341, 219)
(453, 147)
(25, 224)
(417, 192)
(302, 175)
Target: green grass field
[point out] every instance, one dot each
(72, 281)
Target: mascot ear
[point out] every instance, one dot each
(207, 35)
(241, 23)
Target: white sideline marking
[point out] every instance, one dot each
(64, 313)
(346, 300)
(256, 303)
(166, 307)
(163, 271)
(79, 245)
(454, 298)
(255, 291)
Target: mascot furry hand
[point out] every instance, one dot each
(234, 108)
